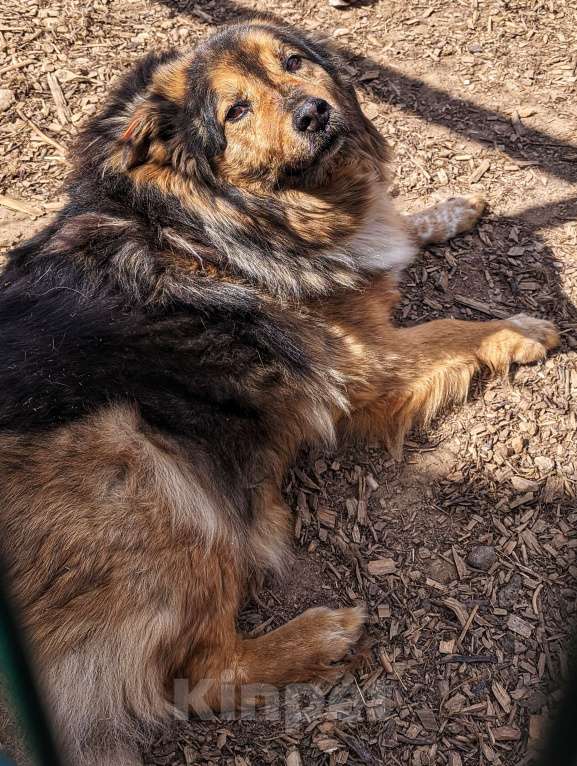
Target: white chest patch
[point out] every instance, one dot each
(382, 243)
(378, 246)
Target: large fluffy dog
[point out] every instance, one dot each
(216, 293)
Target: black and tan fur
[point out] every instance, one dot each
(217, 292)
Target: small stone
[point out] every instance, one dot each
(527, 110)
(7, 98)
(528, 428)
(339, 3)
(372, 483)
(443, 177)
(482, 557)
(508, 595)
(544, 464)
(517, 445)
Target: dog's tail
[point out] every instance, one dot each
(107, 701)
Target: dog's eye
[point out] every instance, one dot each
(293, 63)
(236, 112)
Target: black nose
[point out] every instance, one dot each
(312, 115)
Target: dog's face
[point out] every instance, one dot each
(281, 109)
(256, 107)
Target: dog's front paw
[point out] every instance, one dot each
(539, 336)
(446, 219)
(337, 636)
(468, 210)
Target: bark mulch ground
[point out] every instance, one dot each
(463, 553)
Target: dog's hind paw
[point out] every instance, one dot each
(539, 336)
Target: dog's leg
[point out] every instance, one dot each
(445, 220)
(315, 646)
(435, 364)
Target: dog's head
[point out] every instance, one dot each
(253, 148)
(256, 107)
(282, 112)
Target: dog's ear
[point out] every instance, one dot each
(161, 113)
(137, 135)
(170, 125)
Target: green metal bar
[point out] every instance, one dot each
(560, 745)
(21, 686)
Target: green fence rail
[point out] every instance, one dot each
(21, 688)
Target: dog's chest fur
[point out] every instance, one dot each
(382, 243)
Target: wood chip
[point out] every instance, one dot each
(519, 626)
(427, 719)
(447, 647)
(455, 704)
(483, 308)
(62, 110)
(41, 134)
(380, 567)
(327, 744)
(327, 517)
(506, 734)
(479, 172)
(460, 565)
(501, 695)
(294, 758)
(536, 727)
(383, 611)
(458, 609)
(19, 206)
(385, 661)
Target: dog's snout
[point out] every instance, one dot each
(312, 115)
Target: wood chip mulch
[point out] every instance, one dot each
(465, 553)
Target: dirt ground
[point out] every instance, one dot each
(464, 553)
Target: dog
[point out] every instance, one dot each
(216, 293)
